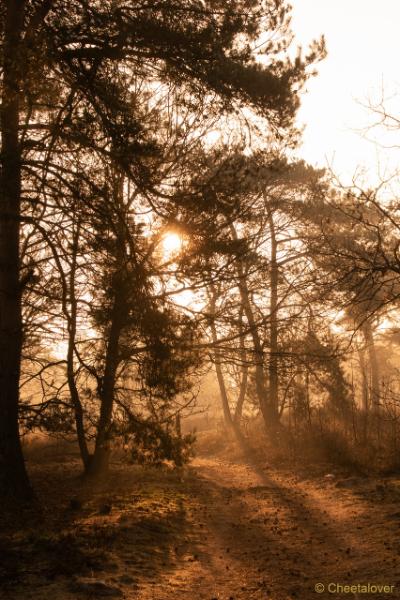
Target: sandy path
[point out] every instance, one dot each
(264, 534)
(224, 530)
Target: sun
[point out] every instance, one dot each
(172, 243)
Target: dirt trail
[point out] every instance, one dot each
(261, 534)
(221, 530)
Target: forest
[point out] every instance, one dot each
(200, 349)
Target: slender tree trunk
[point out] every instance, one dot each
(73, 390)
(270, 416)
(373, 362)
(307, 398)
(273, 309)
(100, 459)
(375, 385)
(260, 379)
(217, 361)
(70, 310)
(78, 409)
(364, 381)
(13, 477)
(242, 395)
(222, 390)
(244, 375)
(364, 394)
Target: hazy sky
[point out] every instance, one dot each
(363, 43)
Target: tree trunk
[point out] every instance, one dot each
(364, 394)
(364, 381)
(73, 390)
(273, 361)
(245, 369)
(373, 362)
(242, 395)
(100, 459)
(217, 361)
(106, 389)
(13, 477)
(270, 416)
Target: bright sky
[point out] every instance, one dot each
(363, 44)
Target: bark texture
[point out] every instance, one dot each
(13, 477)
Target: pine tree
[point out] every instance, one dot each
(65, 62)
